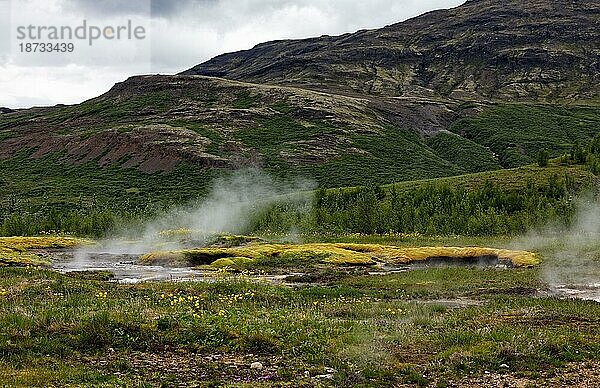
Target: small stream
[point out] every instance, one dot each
(581, 291)
(125, 269)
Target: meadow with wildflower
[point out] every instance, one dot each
(329, 327)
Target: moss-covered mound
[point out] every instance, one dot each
(15, 251)
(334, 254)
(262, 253)
(395, 255)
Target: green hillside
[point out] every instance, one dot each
(434, 97)
(516, 133)
(150, 141)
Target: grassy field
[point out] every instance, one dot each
(423, 327)
(336, 325)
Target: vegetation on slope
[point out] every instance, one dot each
(516, 133)
(483, 49)
(468, 155)
(489, 208)
(166, 138)
(503, 202)
(50, 194)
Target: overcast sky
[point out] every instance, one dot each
(178, 34)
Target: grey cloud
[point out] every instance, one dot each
(182, 33)
(4, 30)
(108, 7)
(31, 101)
(209, 9)
(166, 8)
(156, 8)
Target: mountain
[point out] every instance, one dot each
(480, 87)
(484, 49)
(183, 130)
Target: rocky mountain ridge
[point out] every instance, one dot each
(527, 50)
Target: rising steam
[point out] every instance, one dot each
(227, 209)
(571, 262)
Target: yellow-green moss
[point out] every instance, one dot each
(397, 255)
(14, 258)
(178, 233)
(242, 260)
(232, 262)
(220, 263)
(337, 254)
(54, 242)
(228, 240)
(328, 252)
(164, 258)
(14, 250)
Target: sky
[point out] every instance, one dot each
(97, 43)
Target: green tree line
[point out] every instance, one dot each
(430, 210)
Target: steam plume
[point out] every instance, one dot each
(571, 262)
(225, 210)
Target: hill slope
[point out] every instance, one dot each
(166, 129)
(431, 97)
(490, 49)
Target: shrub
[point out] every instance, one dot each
(543, 157)
(578, 154)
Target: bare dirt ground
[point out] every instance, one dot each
(581, 375)
(187, 370)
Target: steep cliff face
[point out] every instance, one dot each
(484, 49)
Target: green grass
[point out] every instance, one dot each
(516, 133)
(372, 331)
(245, 100)
(216, 139)
(48, 194)
(50, 180)
(108, 111)
(468, 155)
(513, 179)
(394, 154)
(283, 107)
(6, 135)
(272, 134)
